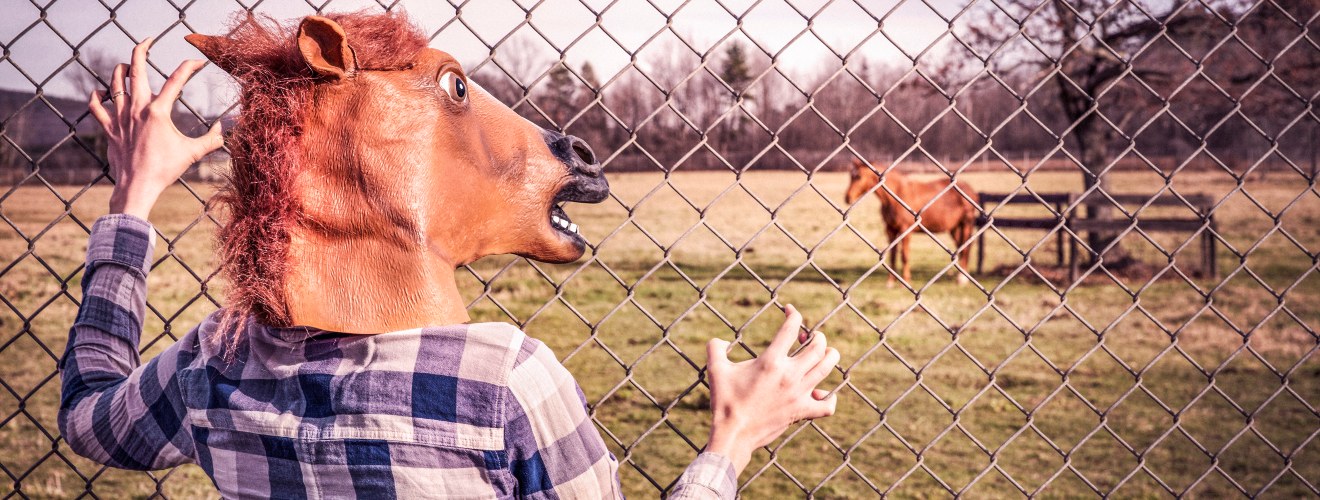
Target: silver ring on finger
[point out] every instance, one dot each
(116, 95)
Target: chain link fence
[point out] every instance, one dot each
(1141, 323)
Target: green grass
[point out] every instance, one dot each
(631, 324)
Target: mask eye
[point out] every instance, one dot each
(454, 86)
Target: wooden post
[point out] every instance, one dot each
(980, 252)
(1058, 251)
(1072, 241)
(1211, 267)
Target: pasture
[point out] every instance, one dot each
(1129, 384)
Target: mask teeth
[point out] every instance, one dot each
(559, 219)
(561, 222)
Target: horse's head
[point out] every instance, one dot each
(354, 135)
(862, 179)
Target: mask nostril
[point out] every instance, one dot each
(583, 152)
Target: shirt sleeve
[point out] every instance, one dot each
(709, 476)
(113, 409)
(555, 450)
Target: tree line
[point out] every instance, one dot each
(1082, 84)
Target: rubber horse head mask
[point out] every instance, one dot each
(366, 168)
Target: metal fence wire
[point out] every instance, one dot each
(1142, 322)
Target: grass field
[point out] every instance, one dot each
(1129, 386)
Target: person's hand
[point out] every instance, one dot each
(147, 152)
(755, 401)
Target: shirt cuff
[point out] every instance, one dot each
(712, 471)
(122, 239)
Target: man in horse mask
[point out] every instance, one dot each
(366, 168)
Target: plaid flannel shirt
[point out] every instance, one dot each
(460, 411)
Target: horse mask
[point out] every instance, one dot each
(366, 168)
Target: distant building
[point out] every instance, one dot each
(58, 139)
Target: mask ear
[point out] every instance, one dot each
(325, 48)
(215, 48)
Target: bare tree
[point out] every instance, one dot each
(98, 65)
(1085, 48)
(517, 62)
(14, 131)
(1278, 76)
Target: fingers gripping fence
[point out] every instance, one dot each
(1145, 324)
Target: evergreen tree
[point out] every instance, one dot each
(589, 76)
(735, 72)
(594, 126)
(561, 101)
(737, 75)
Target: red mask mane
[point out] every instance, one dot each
(265, 144)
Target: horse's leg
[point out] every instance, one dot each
(907, 262)
(961, 234)
(893, 256)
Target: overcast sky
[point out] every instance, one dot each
(44, 56)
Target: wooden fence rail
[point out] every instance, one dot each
(1068, 220)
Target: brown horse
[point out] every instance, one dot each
(366, 168)
(949, 212)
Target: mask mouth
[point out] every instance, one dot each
(560, 221)
(582, 189)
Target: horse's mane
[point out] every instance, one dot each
(265, 144)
